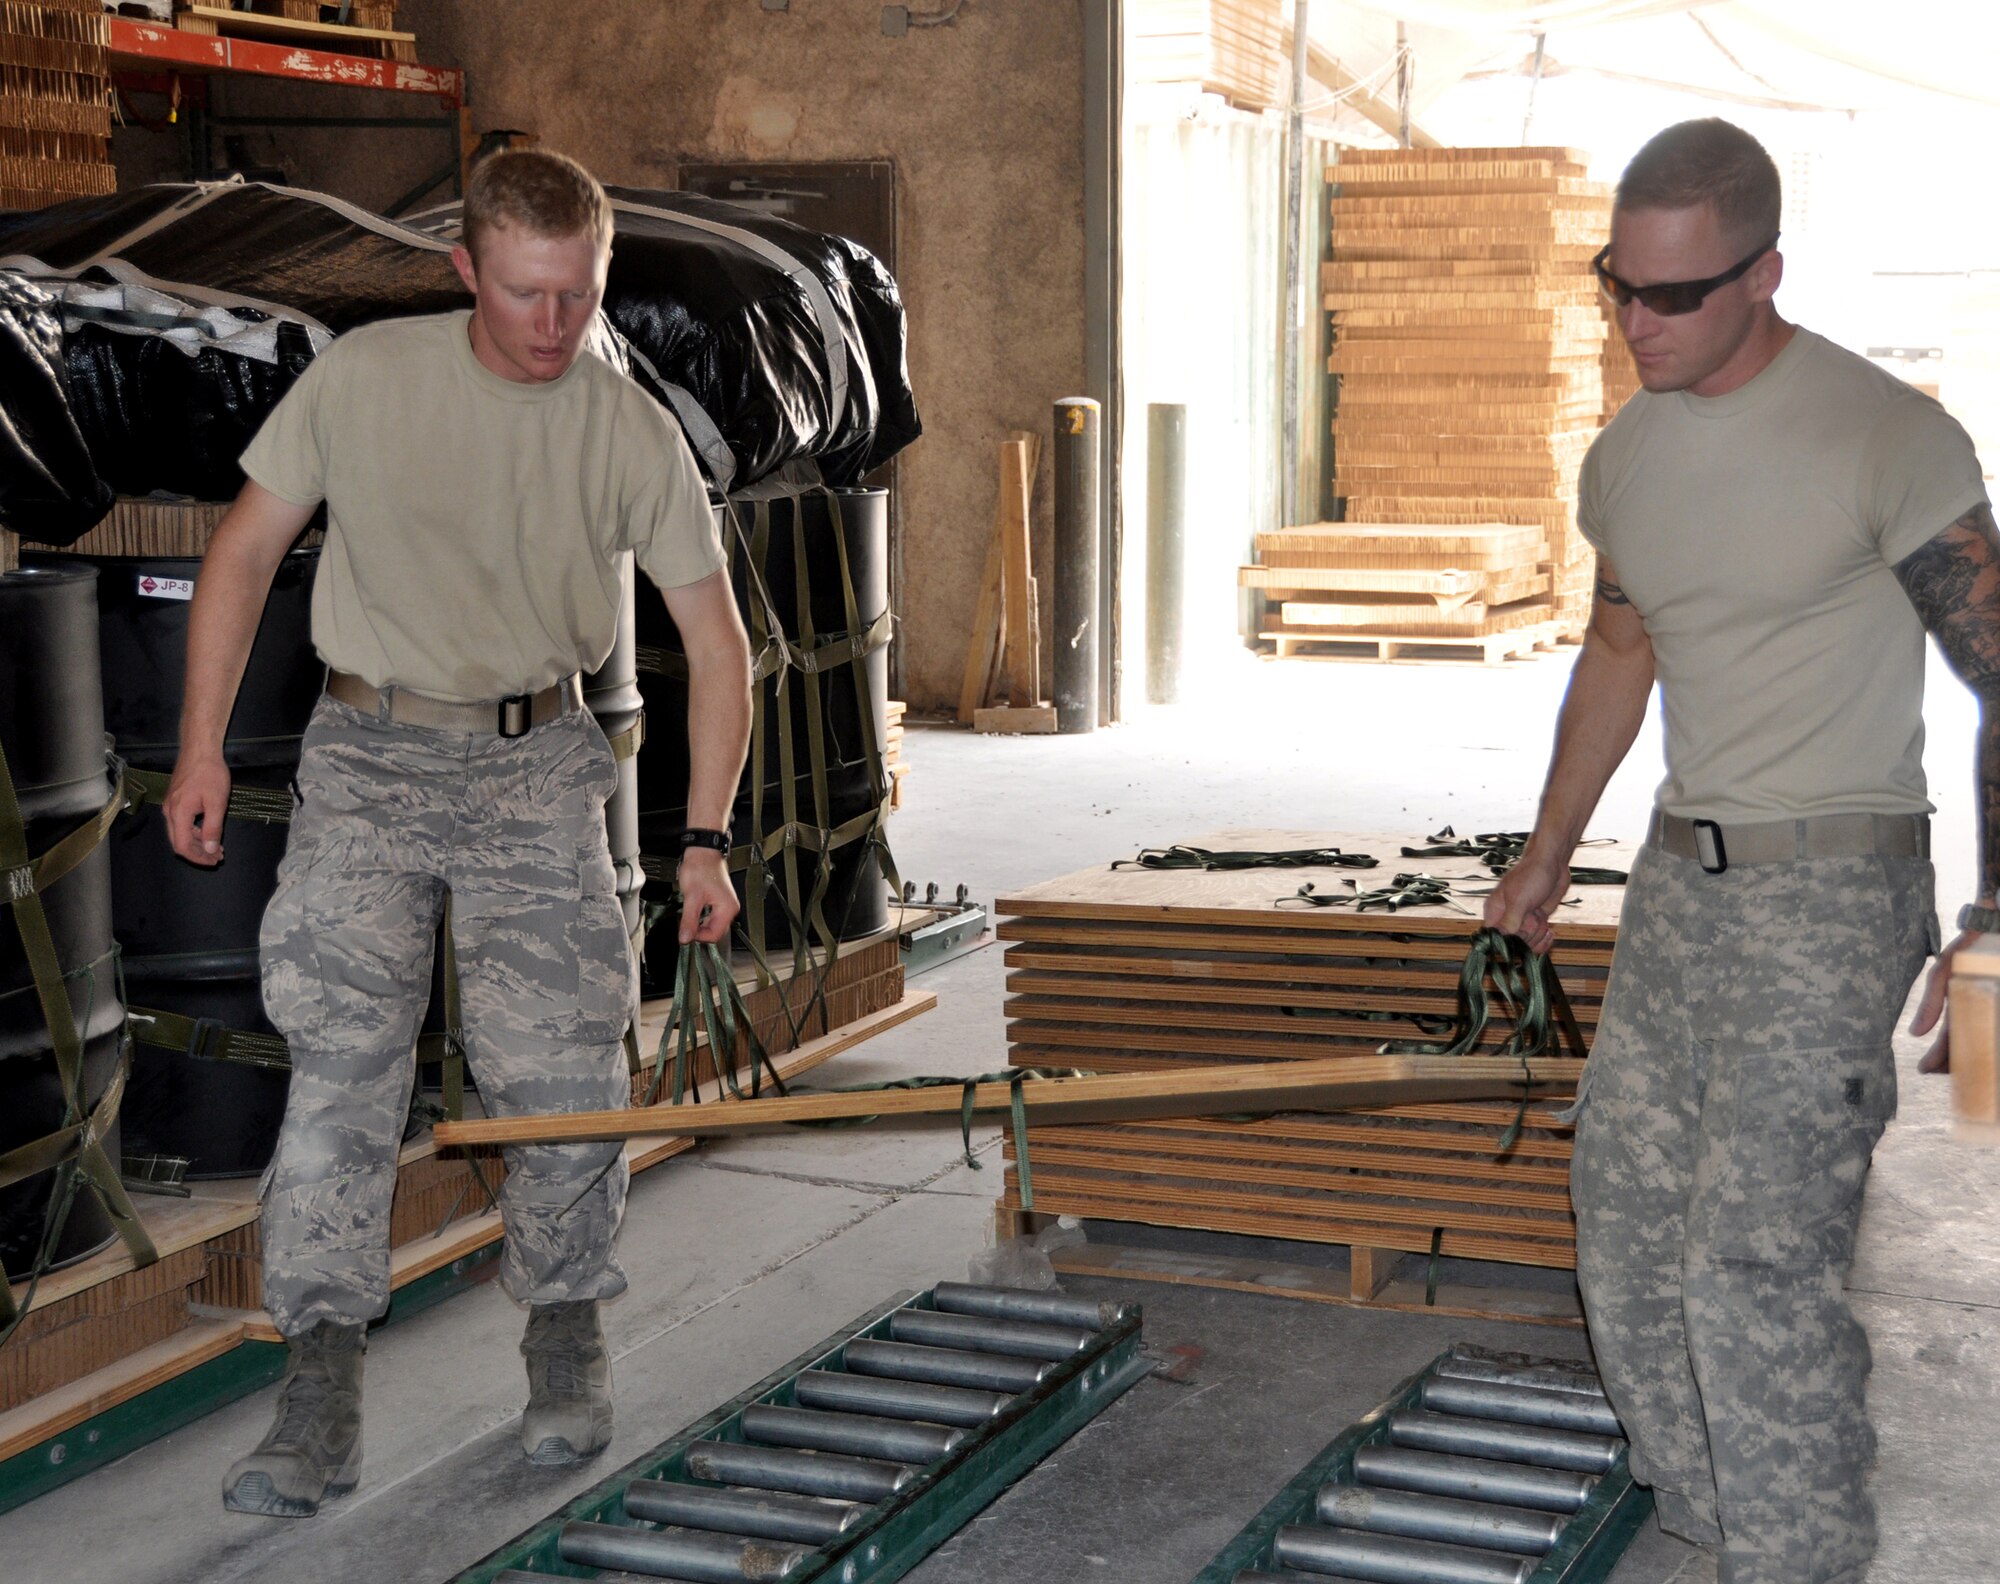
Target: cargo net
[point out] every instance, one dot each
(67, 996)
(790, 658)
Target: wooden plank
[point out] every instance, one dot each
(1029, 720)
(1020, 676)
(1312, 1284)
(982, 656)
(68, 1406)
(213, 19)
(1181, 975)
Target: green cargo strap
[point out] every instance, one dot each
(1528, 986)
(205, 1039)
(1404, 891)
(630, 740)
(1180, 856)
(165, 1175)
(84, 1152)
(267, 805)
(1501, 850)
(1431, 1275)
(706, 1001)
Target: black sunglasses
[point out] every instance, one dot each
(1670, 298)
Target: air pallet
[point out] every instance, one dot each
(857, 1459)
(1485, 1468)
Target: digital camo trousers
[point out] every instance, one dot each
(1741, 1076)
(391, 819)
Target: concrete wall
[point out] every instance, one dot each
(983, 119)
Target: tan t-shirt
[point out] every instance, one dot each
(1755, 534)
(476, 526)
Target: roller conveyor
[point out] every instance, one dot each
(858, 1458)
(1485, 1468)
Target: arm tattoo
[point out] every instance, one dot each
(1954, 582)
(1611, 593)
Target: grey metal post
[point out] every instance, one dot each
(1166, 528)
(1077, 453)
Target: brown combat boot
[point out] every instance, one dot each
(568, 1417)
(314, 1448)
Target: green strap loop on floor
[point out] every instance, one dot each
(204, 1039)
(83, 1158)
(267, 805)
(1532, 993)
(1180, 856)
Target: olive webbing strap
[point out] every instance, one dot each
(1182, 856)
(1528, 987)
(1501, 850)
(1404, 891)
(83, 1150)
(880, 787)
(706, 1001)
(815, 726)
(204, 1039)
(267, 805)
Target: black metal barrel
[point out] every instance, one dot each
(805, 591)
(189, 934)
(52, 730)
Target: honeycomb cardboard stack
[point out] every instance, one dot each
(1235, 48)
(55, 102)
(1469, 342)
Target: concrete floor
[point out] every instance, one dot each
(744, 1254)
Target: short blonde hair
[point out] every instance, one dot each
(541, 191)
(1714, 162)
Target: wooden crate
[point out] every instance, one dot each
(1235, 48)
(55, 102)
(1137, 970)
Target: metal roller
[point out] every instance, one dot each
(762, 1515)
(1531, 1405)
(898, 1399)
(1546, 1377)
(859, 1435)
(798, 1470)
(1420, 1517)
(1475, 1479)
(979, 1334)
(1265, 1576)
(1510, 1443)
(1013, 1303)
(945, 1366)
(1389, 1559)
(681, 1553)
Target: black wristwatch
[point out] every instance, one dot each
(716, 840)
(1985, 920)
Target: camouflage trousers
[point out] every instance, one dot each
(1741, 1076)
(391, 819)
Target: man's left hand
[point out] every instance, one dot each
(708, 900)
(1930, 1011)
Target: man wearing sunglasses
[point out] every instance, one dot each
(1778, 523)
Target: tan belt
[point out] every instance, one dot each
(1716, 847)
(506, 717)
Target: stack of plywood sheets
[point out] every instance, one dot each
(1235, 48)
(1468, 340)
(1405, 590)
(1136, 970)
(55, 102)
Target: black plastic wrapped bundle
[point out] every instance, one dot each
(852, 725)
(52, 730)
(189, 934)
(187, 312)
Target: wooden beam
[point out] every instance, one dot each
(1340, 1084)
(1329, 73)
(989, 622)
(1019, 666)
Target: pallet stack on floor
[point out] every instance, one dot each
(1136, 970)
(1468, 341)
(1235, 48)
(1382, 591)
(55, 103)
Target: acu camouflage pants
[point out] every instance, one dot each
(1741, 1077)
(391, 818)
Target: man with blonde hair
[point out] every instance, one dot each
(1778, 523)
(487, 480)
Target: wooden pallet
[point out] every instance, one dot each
(275, 19)
(100, 1332)
(1383, 649)
(1137, 970)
